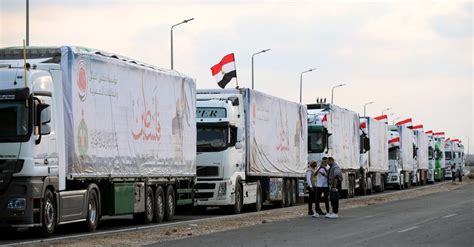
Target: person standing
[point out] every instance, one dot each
(335, 179)
(311, 185)
(322, 188)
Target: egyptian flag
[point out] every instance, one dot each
(407, 123)
(441, 134)
(429, 132)
(418, 127)
(383, 118)
(224, 71)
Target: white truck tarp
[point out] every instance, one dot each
(123, 119)
(378, 153)
(276, 136)
(344, 140)
(406, 148)
(422, 152)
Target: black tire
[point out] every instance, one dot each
(239, 201)
(170, 203)
(93, 213)
(48, 214)
(149, 206)
(159, 213)
(258, 204)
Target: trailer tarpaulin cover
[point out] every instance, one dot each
(277, 131)
(406, 148)
(343, 128)
(422, 151)
(124, 119)
(378, 154)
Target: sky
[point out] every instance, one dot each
(415, 57)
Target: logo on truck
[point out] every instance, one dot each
(149, 127)
(82, 84)
(82, 137)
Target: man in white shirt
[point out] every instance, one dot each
(311, 185)
(322, 188)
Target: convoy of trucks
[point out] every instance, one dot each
(252, 148)
(85, 134)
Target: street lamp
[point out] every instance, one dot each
(301, 82)
(253, 55)
(332, 91)
(371, 102)
(177, 24)
(386, 109)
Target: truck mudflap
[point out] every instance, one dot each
(20, 203)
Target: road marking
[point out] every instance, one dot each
(408, 229)
(450, 215)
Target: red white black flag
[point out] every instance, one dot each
(407, 123)
(383, 118)
(225, 70)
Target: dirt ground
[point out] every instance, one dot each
(211, 225)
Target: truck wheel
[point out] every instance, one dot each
(288, 193)
(382, 183)
(49, 213)
(92, 219)
(237, 207)
(258, 203)
(170, 205)
(159, 214)
(149, 206)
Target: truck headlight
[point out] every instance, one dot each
(222, 189)
(17, 204)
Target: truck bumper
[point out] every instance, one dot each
(214, 193)
(393, 178)
(448, 174)
(26, 192)
(430, 177)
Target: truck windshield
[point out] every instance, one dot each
(212, 138)
(447, 155)
(393, 153)
(430, 153)
(14, 121)
(315, 142)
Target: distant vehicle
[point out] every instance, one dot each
(449, 157)
(85, 133)
(251, 148)
(431, 159)
(334, 131)
(374, 162)
(439, 157)
(422, 158)
(401, 157)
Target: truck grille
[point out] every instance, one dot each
(203, 186)
(203, 195)
(207, 171)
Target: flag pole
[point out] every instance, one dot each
(236, 80)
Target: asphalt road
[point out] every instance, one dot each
(441, 219)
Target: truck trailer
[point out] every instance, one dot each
(422, 160)
(335, 132)
(85, 133)
(400, 155)
(374, 162)
(251, 149)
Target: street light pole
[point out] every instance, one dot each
(301, 82)
(371, 102)
(253, 55)
(386, 109)
(27, 22)
(332, 91)
(177, 24)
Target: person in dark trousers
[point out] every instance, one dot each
(322, 188)
(335, 179)
(453, 172)
(311, 185)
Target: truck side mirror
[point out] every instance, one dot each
(240, 135)
(43, 118)
(238, 145)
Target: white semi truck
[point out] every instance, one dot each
(431, 158)
(422, 161)
(400, 155)
(84, 134)
(449, 157)
(251, 149)
(374, 162)
(335, 132)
